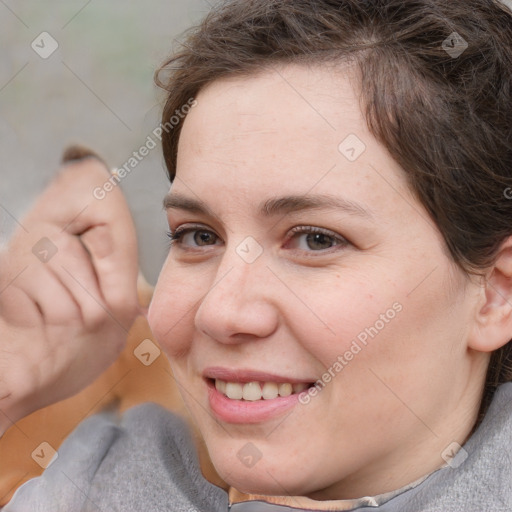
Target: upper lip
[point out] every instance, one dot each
(244, 375)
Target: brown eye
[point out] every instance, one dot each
(202, 238)
(311, 239)
(319, 241)
(194, 237)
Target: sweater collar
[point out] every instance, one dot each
(238, 501)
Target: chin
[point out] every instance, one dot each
(267, 477)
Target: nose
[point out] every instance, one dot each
(241, 304)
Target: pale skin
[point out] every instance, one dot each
(383, 421)
(64, 321)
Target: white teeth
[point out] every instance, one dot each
(234, 390)
(270, 390)
(285, 389)
(220, 385)
(254, 391)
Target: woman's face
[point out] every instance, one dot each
(301, 256)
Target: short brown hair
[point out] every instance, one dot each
(445, 118)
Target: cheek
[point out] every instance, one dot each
(372, 320)
(396, 335)
(172, 312)
(344, 315)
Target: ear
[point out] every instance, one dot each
(493, 327)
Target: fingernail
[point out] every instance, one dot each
(76, 153)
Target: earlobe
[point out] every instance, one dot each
(493, 326)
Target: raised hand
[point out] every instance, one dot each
(67, 290)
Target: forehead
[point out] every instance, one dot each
(289, 130)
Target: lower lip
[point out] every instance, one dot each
(245, 411)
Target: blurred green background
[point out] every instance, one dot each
(96, 89)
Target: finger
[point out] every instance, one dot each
(17, 308)
(59, 277)
(54, 300)
(105, 226)
(107, 231)
(113, 252)
(76, 152)
(73, 269)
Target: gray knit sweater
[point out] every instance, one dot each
(147, 462)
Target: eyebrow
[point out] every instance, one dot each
(276, 206)
(189, 204)
(294, 203)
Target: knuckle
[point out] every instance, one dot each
(96, 317)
